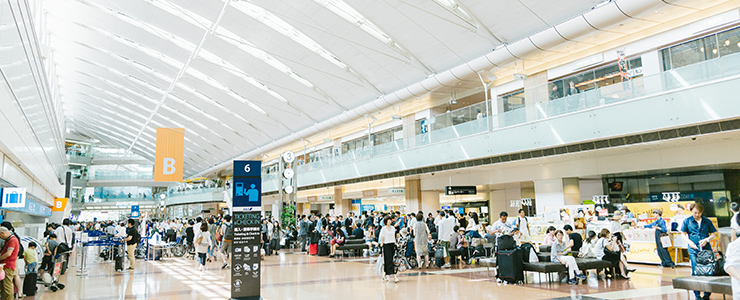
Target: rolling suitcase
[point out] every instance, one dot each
(119, 259)
(323, 250)
(313, 249)
(29, 284)
(526, 251)
(510, 266)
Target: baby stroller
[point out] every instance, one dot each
(405, 259)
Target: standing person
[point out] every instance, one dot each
(202, 244)
(29, 258)
(699, 232)
(228, 233)
(275, 238)
(522, 223)
(660, 228)
(388, 240)
(558, 254)
(303, 233)
(446, 226)
(8, 258)
(422, 236)
(49, 252)
(189, 233)
(65, 234)
(132, 239)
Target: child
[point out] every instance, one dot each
(29, 257)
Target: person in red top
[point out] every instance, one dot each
(8, 257)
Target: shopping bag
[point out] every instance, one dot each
(533, 256)
(379, 266)
(665, 240)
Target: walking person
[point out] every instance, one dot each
(202, 243)
(732, 262)
(558, 254)
(212, 231)
(699, 232)
(228, 233)
(660, 229)
(422, 236)
(303, 233)
(388, 240)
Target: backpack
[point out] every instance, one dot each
(229, 234)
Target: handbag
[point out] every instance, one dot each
(379, 266)
(707, 263)
(533, 256)
(665, 240)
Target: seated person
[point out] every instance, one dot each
(559, 252)
(457, 241)
(370, 237)
(550, 236)
(574, 237)
(336, 241)
(357, 232)
(607, 249)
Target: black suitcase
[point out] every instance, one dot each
(29, 284)
(506, 242)
(323, 250)
(510, 265)
(119, 262)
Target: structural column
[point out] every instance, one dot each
(430, 202)
(413, 195)
(552, 194)
(341, 206)
(500, 200)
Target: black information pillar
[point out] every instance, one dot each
(245, 253)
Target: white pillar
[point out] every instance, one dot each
(430, 202)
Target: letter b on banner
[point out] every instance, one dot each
(169, 157)
(169, 166)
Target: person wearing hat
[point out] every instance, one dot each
(627, 215)
(8, 258)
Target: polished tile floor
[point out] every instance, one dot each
(297, 276)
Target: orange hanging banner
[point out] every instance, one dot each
(169, 157)
(59, 204)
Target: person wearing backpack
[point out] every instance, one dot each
(66, 238)
(228, 233)
(50, 252)
(132, 240)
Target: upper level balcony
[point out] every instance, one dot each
(695, 94)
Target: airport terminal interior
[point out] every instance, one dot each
(355, 149)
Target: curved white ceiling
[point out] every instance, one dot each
(239, 75)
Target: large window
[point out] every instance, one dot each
(513, 100)
(701, 49)
(591, 79)
(378, 138)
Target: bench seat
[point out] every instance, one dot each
(712, 284)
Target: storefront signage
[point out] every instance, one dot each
(461, 190)
(601, 199)
(370, 193)
(247, 197)
(312, 198)
(397, 191)
(368, 207)
(326, 198)
(679, 196)
(29, 206)
(445, 207)
(356, 201)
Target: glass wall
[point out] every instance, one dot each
(595, 78)
(378, 138)
(702, 49)
(126, 193)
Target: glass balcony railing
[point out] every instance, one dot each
(98, 198)
(538, 106)
(122, 175)
(195, 191)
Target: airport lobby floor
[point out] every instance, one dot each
(297, 276)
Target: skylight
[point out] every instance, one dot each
(349, 14)
(453, 7)
(279, 25)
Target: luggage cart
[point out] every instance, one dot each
(51, 279)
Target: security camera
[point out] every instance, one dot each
(693, 138)
(432, 174)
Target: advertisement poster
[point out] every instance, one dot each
(246, 253)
